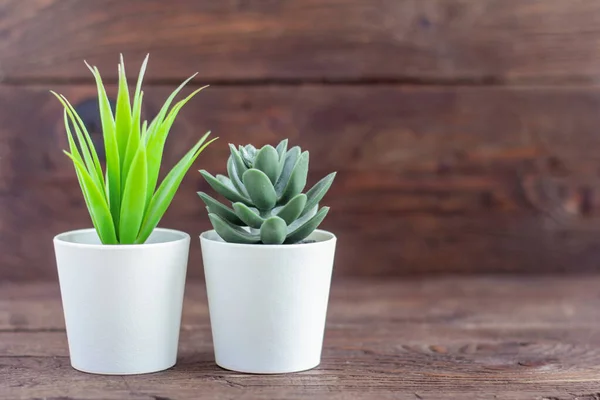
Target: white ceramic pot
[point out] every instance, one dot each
(268, 303)
(122, 303)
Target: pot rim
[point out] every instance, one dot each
(331, 238)
(179, 236)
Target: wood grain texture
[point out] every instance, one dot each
(438, 179)
(486, 41)
(444, 338)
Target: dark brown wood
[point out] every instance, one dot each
(421, 40)
(452, 338)
(432, 179)
(437, 179)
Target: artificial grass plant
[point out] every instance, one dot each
(123, 202)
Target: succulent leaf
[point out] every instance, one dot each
(251, 150)
(248, 154)
(221, 210)
(281, 152)
(267, 161)
(282, 148)
(292, 209)
(235, 178)
(288, 166)
(224, 189)
(231, 233)
(302, 219)
(273, 231)
(268, 202)
(317, 192)
(303, 231)
(260, 189)
(237, 160)
(297, 180)
(247, 161)
(247, 216)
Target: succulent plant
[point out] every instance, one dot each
(265, 188)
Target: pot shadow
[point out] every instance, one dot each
(199, 363)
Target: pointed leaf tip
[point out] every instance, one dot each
(317, 192)
(216, 207)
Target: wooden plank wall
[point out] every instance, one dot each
(465, 133)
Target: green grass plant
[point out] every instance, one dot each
(123, 201)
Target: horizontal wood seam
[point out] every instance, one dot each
(31, 330)
(325, 81)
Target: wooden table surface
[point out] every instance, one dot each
(455, 338)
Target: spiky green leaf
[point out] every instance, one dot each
(96, 203)
(137, 101)
(158, 120)
(87, 160)
(84, 140)
(156, 143)
(135, 135)
(113, 170)
(166, 191)
(134, 140)
(134, 198)
(122, 115)
(77, 156)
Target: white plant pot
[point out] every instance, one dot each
(268, 303)
(122, 303)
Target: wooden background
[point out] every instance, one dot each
(466, 133)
